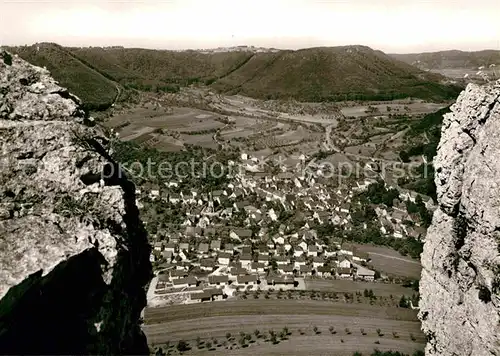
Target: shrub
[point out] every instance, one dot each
(183, 346)
(7, 58)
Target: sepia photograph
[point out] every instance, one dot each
(271, 178)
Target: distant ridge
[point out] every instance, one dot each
(313, 74)
(451, 59)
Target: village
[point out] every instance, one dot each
(268, 229)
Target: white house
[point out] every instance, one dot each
(158, 246)
(215, 245)
(218, 280)
(298, 251)
(359, 256)
(398, 232)
(300, 261)
(344, 263)
(281, 260)
(246, 261)
(207, 264)
(365, 273)
(224, 258)
(324, 271)
(286, 269)
(263, 258)
(305, 270)
(154, 193)
(167, 255)
(250, 279)
(279, 240)
(184, 282)
(347, 249)
(344, 273)
(240, 234)
(183, 255)
(318, 261)
(257, 267)
(174, 198)
(312, 250)
(229, 248)
(329, 252)
(170, 247)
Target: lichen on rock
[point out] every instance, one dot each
(74, 251)
(460, 296)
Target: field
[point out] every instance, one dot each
(391, 262)
(379, 289)
(231, 121)
(401, 107)
(215, 320)
(198, 116)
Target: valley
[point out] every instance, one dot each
(291, 216)
(268, 140)
(299, 178)
(288, 187)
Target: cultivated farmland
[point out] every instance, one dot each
(346, 286)
(391, 262)
(316, 327)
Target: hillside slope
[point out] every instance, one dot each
(335, 73)
(95, 90)
(146, 68)
(313, 74)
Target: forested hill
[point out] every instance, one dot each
(96, 74)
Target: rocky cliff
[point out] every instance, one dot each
(460, 284)
(74, 257)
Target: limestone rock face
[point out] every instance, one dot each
(74, 255)
(460, 284)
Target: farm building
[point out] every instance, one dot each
(345, 273)
(251, 279)
(364, 273)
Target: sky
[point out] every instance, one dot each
(393, 26)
